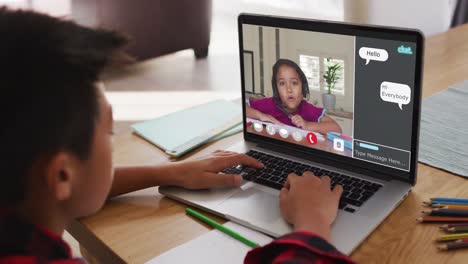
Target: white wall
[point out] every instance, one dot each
(318, 9)
(429, 16)
(269, 57)
(53, 7)
(59, 8)
(250, 35)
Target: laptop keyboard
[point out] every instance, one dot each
(355, 191)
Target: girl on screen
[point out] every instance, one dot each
(289, 104)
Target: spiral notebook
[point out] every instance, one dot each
(179, 132)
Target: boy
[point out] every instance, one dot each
(56, 155)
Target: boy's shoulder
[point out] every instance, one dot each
(22, 242)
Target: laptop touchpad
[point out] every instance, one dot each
(253, 205)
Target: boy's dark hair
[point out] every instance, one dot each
(292, 64)
(49, 103)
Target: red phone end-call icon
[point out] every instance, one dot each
(312, 138)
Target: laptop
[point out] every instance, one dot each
(365, 81)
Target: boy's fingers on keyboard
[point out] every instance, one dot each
(338, 190)
(292, 178)
(326, 180)
(236, 159)
(249, 161)
(310, 175)
(287, 183)
(283, 194)
(216, 179)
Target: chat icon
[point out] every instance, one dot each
(397, 93)
(373, 54)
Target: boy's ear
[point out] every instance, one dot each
(60, 174)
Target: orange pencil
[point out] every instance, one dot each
(426, 219)
(451, 206)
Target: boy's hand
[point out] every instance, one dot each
(298, 121)
(269, 118)
(203, 173)
(308, 203)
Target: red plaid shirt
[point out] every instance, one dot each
(26, 243)
(22, 242)
(297, 248)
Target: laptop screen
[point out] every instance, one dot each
(345, 93)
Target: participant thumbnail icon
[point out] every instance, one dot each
(297, 136)
(270, 130)
(258, 127)
(283, 133)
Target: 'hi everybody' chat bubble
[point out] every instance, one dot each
(395, 93)
(373, 54)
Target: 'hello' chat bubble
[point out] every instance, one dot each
(373, 54)
(395, 93)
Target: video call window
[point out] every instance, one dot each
(307, 85)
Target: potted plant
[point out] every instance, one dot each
(331, 76)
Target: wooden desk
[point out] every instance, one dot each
(136, 227)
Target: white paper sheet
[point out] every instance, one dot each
(213, 247)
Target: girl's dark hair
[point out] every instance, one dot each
(292, 64)
(49, 101)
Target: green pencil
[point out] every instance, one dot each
(221, 228)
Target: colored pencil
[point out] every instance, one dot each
(450, 206)
(446, 212)
(452, 237)
(462, 240)
(463, 224)
(457, 229)
(437, 202)
(455, 225)
(221, 228)
(426, 219)
(449, 200)
(453, 245)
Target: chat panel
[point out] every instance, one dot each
(384, 101)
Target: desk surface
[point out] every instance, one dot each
(135, 227)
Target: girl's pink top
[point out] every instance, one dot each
(306, 110)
